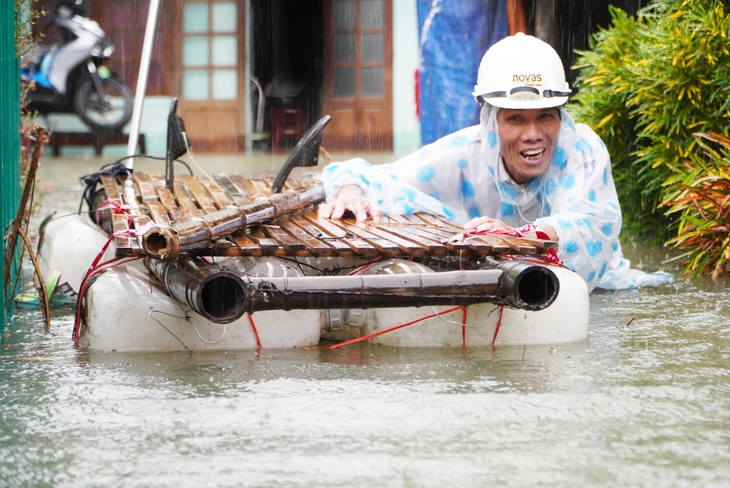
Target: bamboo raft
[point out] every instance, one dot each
(220, 248)
(300, 233)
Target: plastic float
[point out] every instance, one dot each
(166, 262)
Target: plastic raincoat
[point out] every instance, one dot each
(462, 176)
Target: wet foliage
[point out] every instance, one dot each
(25, 16)
(25, 41)
(702, 199)
(646, 85)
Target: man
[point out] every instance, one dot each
(527, 168)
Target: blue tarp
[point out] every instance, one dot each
(454, 35)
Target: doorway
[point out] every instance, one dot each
(287, 60)
(357, 90)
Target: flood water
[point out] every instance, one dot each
(644, 402)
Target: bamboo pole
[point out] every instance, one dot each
(167, 243)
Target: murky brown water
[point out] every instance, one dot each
(644, 404)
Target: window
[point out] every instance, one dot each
(210, 51)
(358, 48)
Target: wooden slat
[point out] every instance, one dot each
(402, 219)
(358, 245)
(430, 242)
(335, 243)
(167, 200)
(382, 245)
(290, 244)
(261, 188)
(446, 235)
(111, 189)
(248, 185)
(540, 245)
(289, 184)
(427, 233)
(408, 246)
(438, 222)
(238, 182)
(201, 196)
(246, 246)
(150, 199)
(487, 241)
(517, 244)
(231, 188)
(157, 213)
(268, 245)
(145, 188)
(481, 246)
(185, 200)
(314, 245)
(269, 182)
(220, 197)
(140, 221)
(122, 241)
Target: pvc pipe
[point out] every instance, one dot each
(512, 284)
(222, 294)
(144, 69)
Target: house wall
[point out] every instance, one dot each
(127, 34)
(406, 128)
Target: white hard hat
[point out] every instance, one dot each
(521, 72)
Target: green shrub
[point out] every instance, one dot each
(702, 198)
(645, 85)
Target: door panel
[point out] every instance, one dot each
(358, 71)
(212, 74)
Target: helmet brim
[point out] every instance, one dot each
(527, 104)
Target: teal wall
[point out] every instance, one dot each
(9, 126)
(406, 128)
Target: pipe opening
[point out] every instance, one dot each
(156, 243)
(537, 287)
(222, 298)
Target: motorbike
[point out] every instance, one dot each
(72, 77)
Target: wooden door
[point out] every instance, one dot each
(357, 89)
(211, 74)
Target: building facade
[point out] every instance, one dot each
(224, 60)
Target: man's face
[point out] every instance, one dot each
(527, 138)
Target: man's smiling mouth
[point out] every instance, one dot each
(533, 154)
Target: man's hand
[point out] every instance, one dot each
(349, 198)
(487, 223)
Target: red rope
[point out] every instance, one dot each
(101, 254)
(255, 332)
(113, 206)
(90, 273)
(499, 324)
(96, 268)
(381, 332)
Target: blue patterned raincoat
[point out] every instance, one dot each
(462, 176)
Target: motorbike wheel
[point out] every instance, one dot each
(108, 114)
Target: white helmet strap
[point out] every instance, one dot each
(524, 93)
